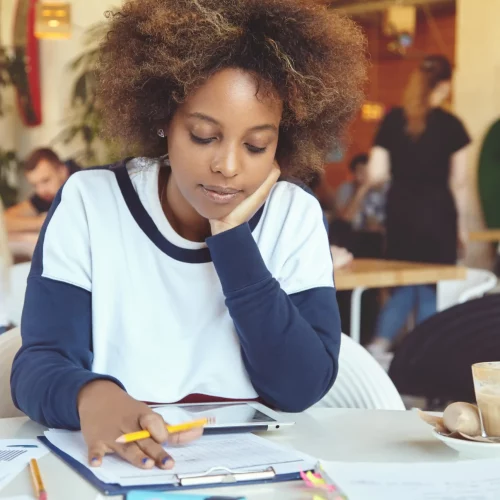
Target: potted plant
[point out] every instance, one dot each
(9, 164)
(85, 122)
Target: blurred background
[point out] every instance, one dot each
(400, 33)
(48, 56)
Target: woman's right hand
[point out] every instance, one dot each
(107, 411)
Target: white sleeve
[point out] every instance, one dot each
(65, 241)
(302, 259)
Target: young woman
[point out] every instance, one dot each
(422, 149)
(191, 274)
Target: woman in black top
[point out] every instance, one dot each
(422, 149)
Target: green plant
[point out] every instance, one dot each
(6, 70)
(9, 164)
(9, 167)
(85, 121)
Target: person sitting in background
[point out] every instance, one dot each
(46, 173)
(360, 204)
(324, 193)
(358, 226)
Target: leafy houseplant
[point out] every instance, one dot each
(85, 122)
(5, 75)
(9, 167)
(9, 164)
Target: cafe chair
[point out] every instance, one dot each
(10, 343)
(361, 382)
(17, 290)
(477, 283)
(434, 360)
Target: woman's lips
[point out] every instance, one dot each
(220, 194)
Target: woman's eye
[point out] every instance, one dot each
(254, 149)
(201, 140)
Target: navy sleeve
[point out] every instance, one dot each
(290, 343)
(55, 360)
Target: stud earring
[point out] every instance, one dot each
(161, 133)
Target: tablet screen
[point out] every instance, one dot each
(224, 414)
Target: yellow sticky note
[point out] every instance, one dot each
(316, 481)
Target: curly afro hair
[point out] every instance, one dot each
(158, 51)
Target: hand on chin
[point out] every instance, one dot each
(248, 207)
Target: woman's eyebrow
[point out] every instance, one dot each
(204, 117)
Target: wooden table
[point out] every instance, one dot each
(486, 235)
(377, 273)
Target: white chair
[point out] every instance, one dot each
(17, 290)
(10, 342)
(477, 283)
(361, 382)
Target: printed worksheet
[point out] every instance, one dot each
(15, 454)
(467, 480)
(226, 453)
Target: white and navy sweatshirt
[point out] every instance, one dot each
(115, 293)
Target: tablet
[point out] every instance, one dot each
(225, 417)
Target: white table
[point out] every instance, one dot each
(330, 434)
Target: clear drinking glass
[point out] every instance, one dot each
(487, 387)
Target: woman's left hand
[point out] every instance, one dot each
(247, 208)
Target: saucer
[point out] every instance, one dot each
(470, 449)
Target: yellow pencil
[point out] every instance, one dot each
(172, 429)
(40, 492)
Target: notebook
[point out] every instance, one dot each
(214, 460)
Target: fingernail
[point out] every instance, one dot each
(166, 460)
(147, 461)
(94, 461)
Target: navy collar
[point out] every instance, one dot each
(146, 223)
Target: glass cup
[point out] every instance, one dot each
(487, 387)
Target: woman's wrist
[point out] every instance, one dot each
(218, 227)
(96, 389)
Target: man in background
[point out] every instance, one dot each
(46, 173)
(360, 204)
(359, 226)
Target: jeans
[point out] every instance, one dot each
(403, 301)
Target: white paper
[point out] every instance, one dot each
(236, 452)
(22, 497)
(15, 455)
(467, 480)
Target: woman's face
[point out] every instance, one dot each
(222, 142)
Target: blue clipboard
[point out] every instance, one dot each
(110, 489)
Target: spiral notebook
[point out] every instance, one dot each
(211, 461)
